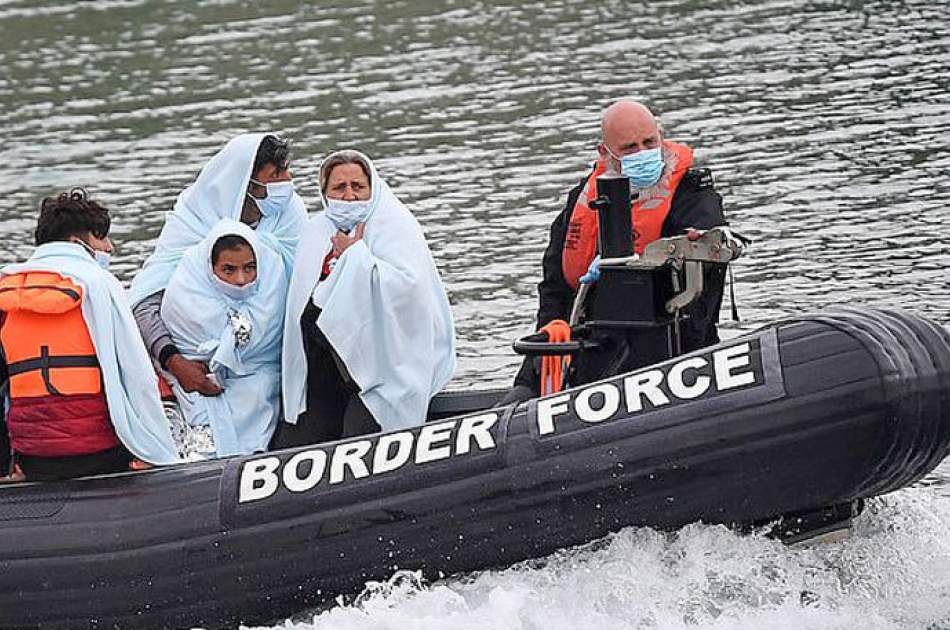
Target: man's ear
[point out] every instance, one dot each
(602, 150)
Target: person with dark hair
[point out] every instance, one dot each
(224, 307)
(82, 398)
(271, 164)
(248, 181)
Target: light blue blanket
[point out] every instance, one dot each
(130, 383)
(217, 193)
(384, 311)
(202, 320)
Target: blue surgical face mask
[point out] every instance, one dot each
(346, 214)
(103, 259)
(233, 291)
(278, 194)
(643, 167)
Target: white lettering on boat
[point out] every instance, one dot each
(350, 455)
(262, 478)
(292, 479)
(550, 408)
(477, 428)
(384, 460)
(682, 381)
(729, 359)
(432, 434)
(258, 479)
(677, 383)
(585, 410)
(645, 384)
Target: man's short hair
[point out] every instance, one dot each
(71, 213)
(272, 150)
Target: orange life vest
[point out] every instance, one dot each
(580, 244)
(47, 344)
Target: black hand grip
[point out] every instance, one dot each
(538, 345)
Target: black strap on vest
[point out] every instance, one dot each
(44, 363)
(45, 287)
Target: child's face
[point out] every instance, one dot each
(236, 266)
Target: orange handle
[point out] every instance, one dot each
(552, 367)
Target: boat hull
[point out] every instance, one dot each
(812, 412)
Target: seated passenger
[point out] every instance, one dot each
(249, 181)
(224, 307)
(368, 331)
(83, 397)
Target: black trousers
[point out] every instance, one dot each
(112, 460)
(334, 409)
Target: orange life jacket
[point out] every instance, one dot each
(45, 339)
(580, 244)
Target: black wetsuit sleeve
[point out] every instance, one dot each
(696, 204)
(555, 295)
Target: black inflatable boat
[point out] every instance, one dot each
(793, 425)
(809, 414)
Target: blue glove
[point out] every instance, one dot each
(593, 272)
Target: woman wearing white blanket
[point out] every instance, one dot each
(224, 306)
(368, 333)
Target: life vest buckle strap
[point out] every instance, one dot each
(45, 361)
(44, 371)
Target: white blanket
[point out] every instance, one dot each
(217, 193)
(130, 383)
(384, 311)
(196, 312)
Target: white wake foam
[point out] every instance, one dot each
(894, 572)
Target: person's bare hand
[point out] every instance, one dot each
(342, 241)
(192, 375)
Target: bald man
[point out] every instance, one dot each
(668, 197)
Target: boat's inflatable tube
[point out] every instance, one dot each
(811, 412)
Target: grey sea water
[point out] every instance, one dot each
(826, 124)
